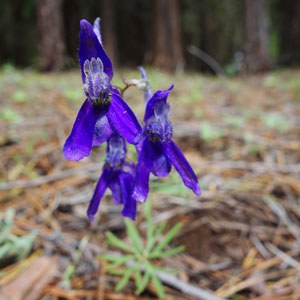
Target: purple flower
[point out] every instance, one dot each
(157, 151)
(118, 176)
(104, 111)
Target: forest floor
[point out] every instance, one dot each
(241, 237)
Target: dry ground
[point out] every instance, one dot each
(242, 236)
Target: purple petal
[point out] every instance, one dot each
(79, 143)
(143, 169)
(129, 168)
(97, 29)
(116, 190)
(102, 185)
(182, 166)
(90, 47)
(161, 166)
(126, 183)
(159, 96)
(102, 131)
(122, 118)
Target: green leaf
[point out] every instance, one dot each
(145, 281)
(168, 237)
(117, 261)
(115, 241)
(117, 272)
(20, 96)
(208, 132)
(5, 251)
(167, 253)
(158, 230)
(149, 268)
(138, 279)
(125, 279)
(9, 115)
(158, 286)
(68, 274)
(116, 258)
(134, 235)
(109, 258)
(276, 121)
(150, 224)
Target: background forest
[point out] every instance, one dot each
(241, 35)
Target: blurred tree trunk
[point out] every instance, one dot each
(289, 31)
(256, 42)
(108, 30)
(167, 46)
(51, 43)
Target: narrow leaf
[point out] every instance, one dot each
(115, 241)
(134, 235)
(158, 286)
(120, 261)
(157, 232)
(116, 258)
(138, 279)
(150, 225)
(168, 237)
(123, 282)
(144, 283)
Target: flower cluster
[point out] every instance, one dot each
(106, 117)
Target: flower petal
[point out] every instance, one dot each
(161, 166)
(102, 131)
(79, 143)
(97, 29)
(90, 47)
(126, 183)
(143, 169)
(182, 166)
(122, 118)
(116, 190)
(159, 96)
(101, 186)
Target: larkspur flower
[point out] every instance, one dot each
(157, 151)
(104, 111)
(118, 176)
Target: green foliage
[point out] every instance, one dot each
(10, 115)
(12, 246)
(276, 121)
(286, 80)
(20, 96)
(73, 94)
(209, 132)
(139, 262)
(234, 121)
(71, 268)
